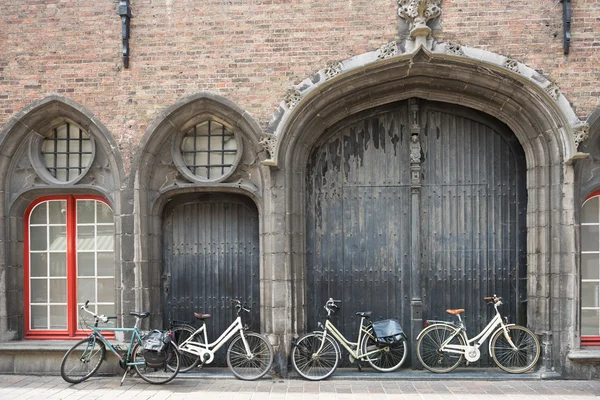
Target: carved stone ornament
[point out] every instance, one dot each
(580, 134)
(417, 13)
(553, 91)
(292, 98)
(269, 142)
(333, 69)
(454, 49)
(387, 51)
(512, 65)
(415, 149)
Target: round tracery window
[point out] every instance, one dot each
(210, 151)
(64, 154)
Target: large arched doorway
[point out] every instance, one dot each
(211, 256)
(466, 223)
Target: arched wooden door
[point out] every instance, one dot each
(450, 215)
(210, 256)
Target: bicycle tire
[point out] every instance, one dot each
(428, 349)
(315, 368)
(86, 356)
(388, 358)
(515, 361)
(187, 361)
(258, 364)
(156, 376)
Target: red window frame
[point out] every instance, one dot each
(590, 340)
(72, 331)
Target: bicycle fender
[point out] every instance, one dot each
(448, 324)
(335, 343)
(492, 336)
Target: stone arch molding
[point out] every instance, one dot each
(105, 174)
(490, 82)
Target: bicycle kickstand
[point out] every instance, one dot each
(124, 375)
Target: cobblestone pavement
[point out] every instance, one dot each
(53, 387)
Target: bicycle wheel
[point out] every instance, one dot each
(385, 358)
(156, 375)
(311, 365)
(428, 348)
(259, 362)
(82, 360)
(521, 359)
(187, 361)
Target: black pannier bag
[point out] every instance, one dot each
(389, 332)
(155, 346)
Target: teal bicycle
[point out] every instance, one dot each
(84, 359)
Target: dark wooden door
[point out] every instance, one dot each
(473, 206)
(358, 225)
(468, 212)
(211, 255)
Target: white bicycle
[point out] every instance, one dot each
(249, 355)
(442, 346)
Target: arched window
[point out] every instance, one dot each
(590, 271)
(69, 259)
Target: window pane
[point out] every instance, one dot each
(85, 264)
(86, 290)
(58, 290)
(38, 215)
(39, 291)
(58, 317)
(106, 290)
(38, 264)
(58, 212)
(39, 317)
(105, 214)
(58, 264)
(589, 211)
(85, 238)
(38, 239)
(590, 266)
(106, 264)
(58, 238)
(589, 294)
(589, 238)
(590, 322)
(85, 211)
(105, 240)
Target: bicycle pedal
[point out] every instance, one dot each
(359, 367)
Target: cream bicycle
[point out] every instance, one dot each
(442, 346)
(316, 355)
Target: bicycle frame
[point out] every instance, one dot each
(333, 331)
(97, 335)
(208, 349)
(492, 327)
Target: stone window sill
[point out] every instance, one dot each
(591, 355)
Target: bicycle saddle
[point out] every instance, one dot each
(202, 316)
(365, 314)
(144, 314)
(456, 312)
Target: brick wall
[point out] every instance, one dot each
(252, 51)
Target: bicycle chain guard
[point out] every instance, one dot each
(472, 354)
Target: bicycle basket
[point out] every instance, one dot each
(155, 345)
(389, 332)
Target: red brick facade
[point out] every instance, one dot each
(252, 51)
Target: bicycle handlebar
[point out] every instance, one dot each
(494, 298)
(239, 306)
(330, 304)
(103, 318)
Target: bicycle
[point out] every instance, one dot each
(442, 345)
(85, 357)
(316, 355)
(249, 355)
